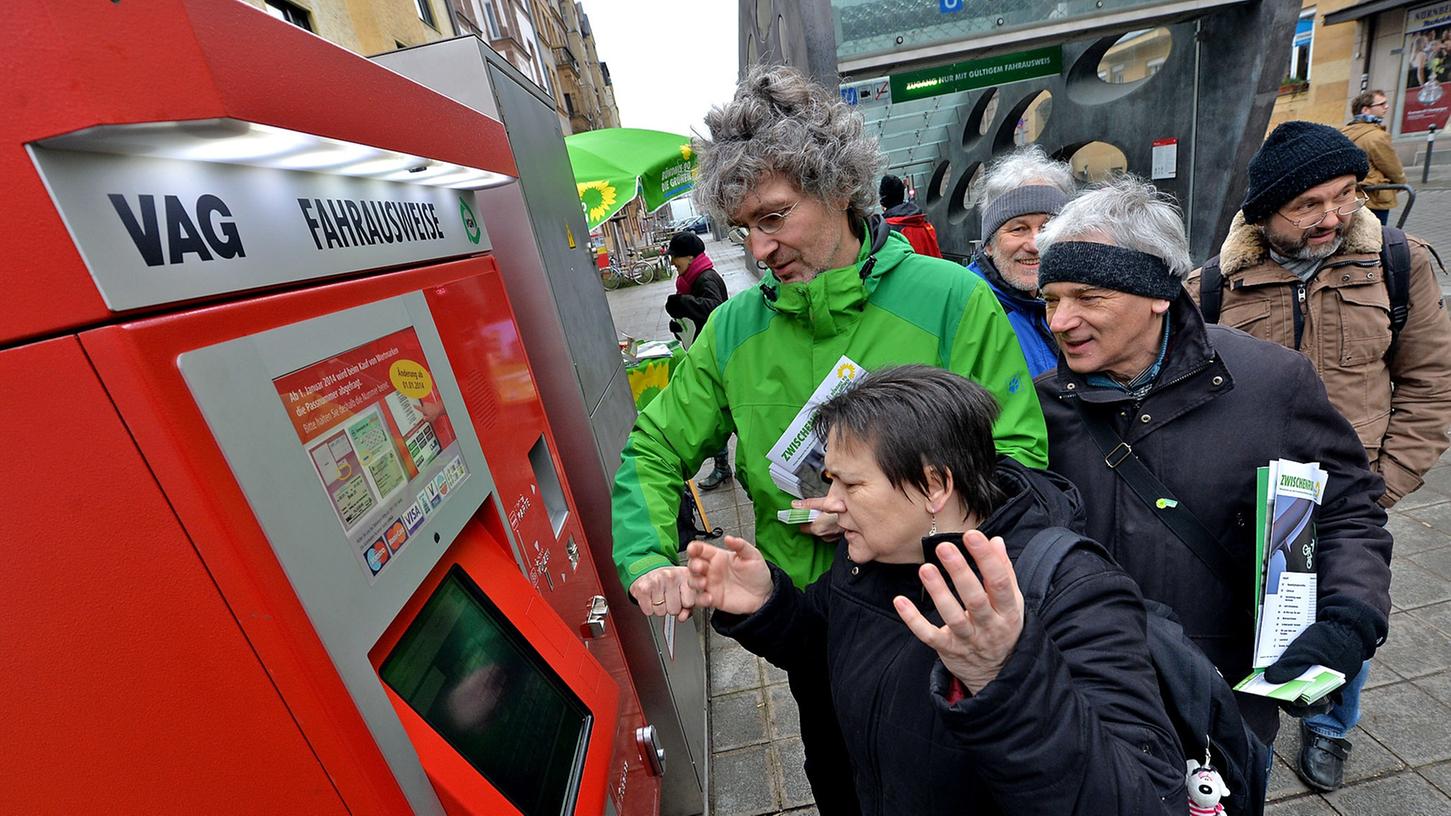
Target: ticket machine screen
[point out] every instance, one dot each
(471, 676)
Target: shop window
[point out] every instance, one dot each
(1301, 49)
(283, 10)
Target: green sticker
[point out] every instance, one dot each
(471, 224)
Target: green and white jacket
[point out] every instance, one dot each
(759, 358)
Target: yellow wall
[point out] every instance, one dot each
(1333, 60)
(373, 26)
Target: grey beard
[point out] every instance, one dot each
(1305, 253)
(1001, 264)
(1301, 250)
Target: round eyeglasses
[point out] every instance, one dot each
(1309, 216)
(768, 224)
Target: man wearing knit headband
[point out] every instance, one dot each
(1306, 266)
(1161, 421)
(1016, 197)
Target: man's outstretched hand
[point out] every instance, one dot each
(664, 591)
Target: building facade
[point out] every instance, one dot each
(548, 41)
(367, 26)
(1343, 47)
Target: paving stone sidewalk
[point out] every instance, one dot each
(1401, 763)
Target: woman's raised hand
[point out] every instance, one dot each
(733, 578)
(978, 633)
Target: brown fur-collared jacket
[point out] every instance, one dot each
(1347, 336)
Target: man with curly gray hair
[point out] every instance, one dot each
(1161, 421)
(789, 166)
(1017, 195)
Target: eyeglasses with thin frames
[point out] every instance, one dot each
(1311, 221)
(768, 224)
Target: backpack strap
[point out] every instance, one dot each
(1119, 457)
(1211, 290)
(1039, 560)
(1395, 264)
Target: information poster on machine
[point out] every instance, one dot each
(379, 439)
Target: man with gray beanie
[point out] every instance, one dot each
(1161, 422)
(1306, 266)
(1016, 197)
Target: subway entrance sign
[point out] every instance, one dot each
(979, 73)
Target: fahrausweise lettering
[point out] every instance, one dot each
(344, 222)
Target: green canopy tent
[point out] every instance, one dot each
(613, 165)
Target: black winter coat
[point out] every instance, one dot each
(1223, 405)
(1073, 724)
(707, 291)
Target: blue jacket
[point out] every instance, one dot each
(1027, 316)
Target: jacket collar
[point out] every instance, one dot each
(1189, 351)
(902, 210)
(826, 302)
(984, 264)
(1245, 247)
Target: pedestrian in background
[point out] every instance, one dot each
(699, 289)
(907, 218)
(1367, 130)
(1017, 195)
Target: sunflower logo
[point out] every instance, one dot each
(686, 152)
(846, 371)
(598, 198)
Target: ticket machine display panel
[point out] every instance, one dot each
(469, 674)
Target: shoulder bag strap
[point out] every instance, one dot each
(1120, 458)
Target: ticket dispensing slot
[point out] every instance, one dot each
(548, 480)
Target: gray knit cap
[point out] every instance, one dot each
(1025, 200)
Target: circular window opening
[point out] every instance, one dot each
(763, 17)
(980, 119)
(1097, 161)
(937, 187)
(1033, 119)
(1136, 55)
(960, 206)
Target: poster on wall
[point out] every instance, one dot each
(380, 442)
(1427, 98)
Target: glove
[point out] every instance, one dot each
(1344, 637)
(673, 305)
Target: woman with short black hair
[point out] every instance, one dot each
(952, 697)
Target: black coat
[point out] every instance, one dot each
(1073, 724)
(707, 291)
(1223, 405)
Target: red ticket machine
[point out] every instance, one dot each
(298, 538)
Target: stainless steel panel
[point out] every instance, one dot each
(233, 385)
